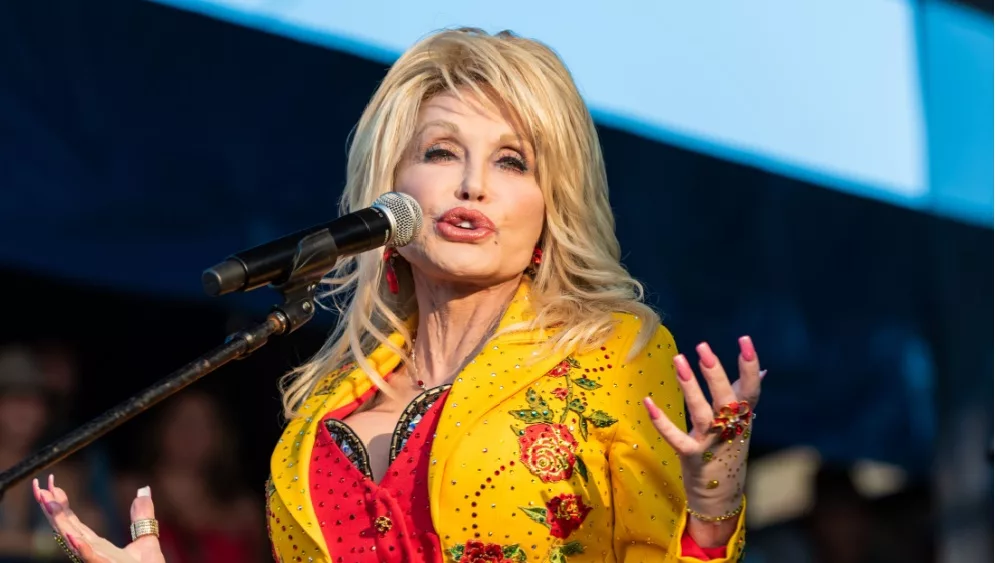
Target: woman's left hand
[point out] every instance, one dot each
(713, 454)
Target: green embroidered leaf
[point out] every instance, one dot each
(572, 548)
(581, 468)
(514, 553)
(556, 556)
(456, 552)
(588, 384)
(533, 415)
(601, 419)
(517, 431)
(532, 397)
(576, 405)
(584, 428)
(535, 513)
(573, 363)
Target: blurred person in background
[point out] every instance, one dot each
(60, 369)
(26, 414)
(205, 512)
(24, 418)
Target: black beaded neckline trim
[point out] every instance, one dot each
(351, 446)
(412, 415)
(354, 449)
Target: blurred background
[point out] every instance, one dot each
(817, 175)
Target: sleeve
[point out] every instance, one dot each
(647, 488)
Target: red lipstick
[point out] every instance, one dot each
(460, 224)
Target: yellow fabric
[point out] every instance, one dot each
(503, 450)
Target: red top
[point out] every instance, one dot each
(386, 522)
(389, 522)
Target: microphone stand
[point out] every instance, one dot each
(316, 256)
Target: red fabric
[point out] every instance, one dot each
(191, 547)
(347, 503)
(690, 548)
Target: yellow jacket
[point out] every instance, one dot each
(592, 479)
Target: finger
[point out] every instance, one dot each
(750, 374)
(715, 376)
(142, 509)
(62, 498)
(57, 512)
(701, 411)
(678, 439)
(43, 498)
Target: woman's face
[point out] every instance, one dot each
(474, 177)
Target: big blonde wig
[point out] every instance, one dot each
(581, 280)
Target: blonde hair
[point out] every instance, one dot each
(580, 282)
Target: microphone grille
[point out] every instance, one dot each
(404, 213)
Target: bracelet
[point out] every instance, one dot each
(705, 518)
(69, 552)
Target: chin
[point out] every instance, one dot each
(456, 263)
(476, 272)
(464, 272)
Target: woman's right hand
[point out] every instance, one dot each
(87, 545)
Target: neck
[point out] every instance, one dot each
(453, 325)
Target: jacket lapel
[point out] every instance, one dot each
(505, 368)
(290, 460)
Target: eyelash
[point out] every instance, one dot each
(507, 161)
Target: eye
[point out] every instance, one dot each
(437, 154)
(513, 162)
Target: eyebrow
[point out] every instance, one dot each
(507, 139)
(451, 127)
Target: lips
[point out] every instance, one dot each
(464, 225)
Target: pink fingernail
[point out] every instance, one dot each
(746, 349)
(683, 368)
(654, 411)
(706, 355)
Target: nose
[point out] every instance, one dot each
(473, 186)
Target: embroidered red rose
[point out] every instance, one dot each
(561, 369)
(566, 513)
(549, 451)
(561, 393)
(479, 552)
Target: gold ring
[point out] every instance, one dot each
(69, 552)
(144, 527)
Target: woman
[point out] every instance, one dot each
(493, 390)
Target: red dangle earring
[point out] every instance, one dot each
(389, 257)
(536, 262)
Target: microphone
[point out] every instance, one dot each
(393, 220)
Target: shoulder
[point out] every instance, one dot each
(644, 365)
(634, 336)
